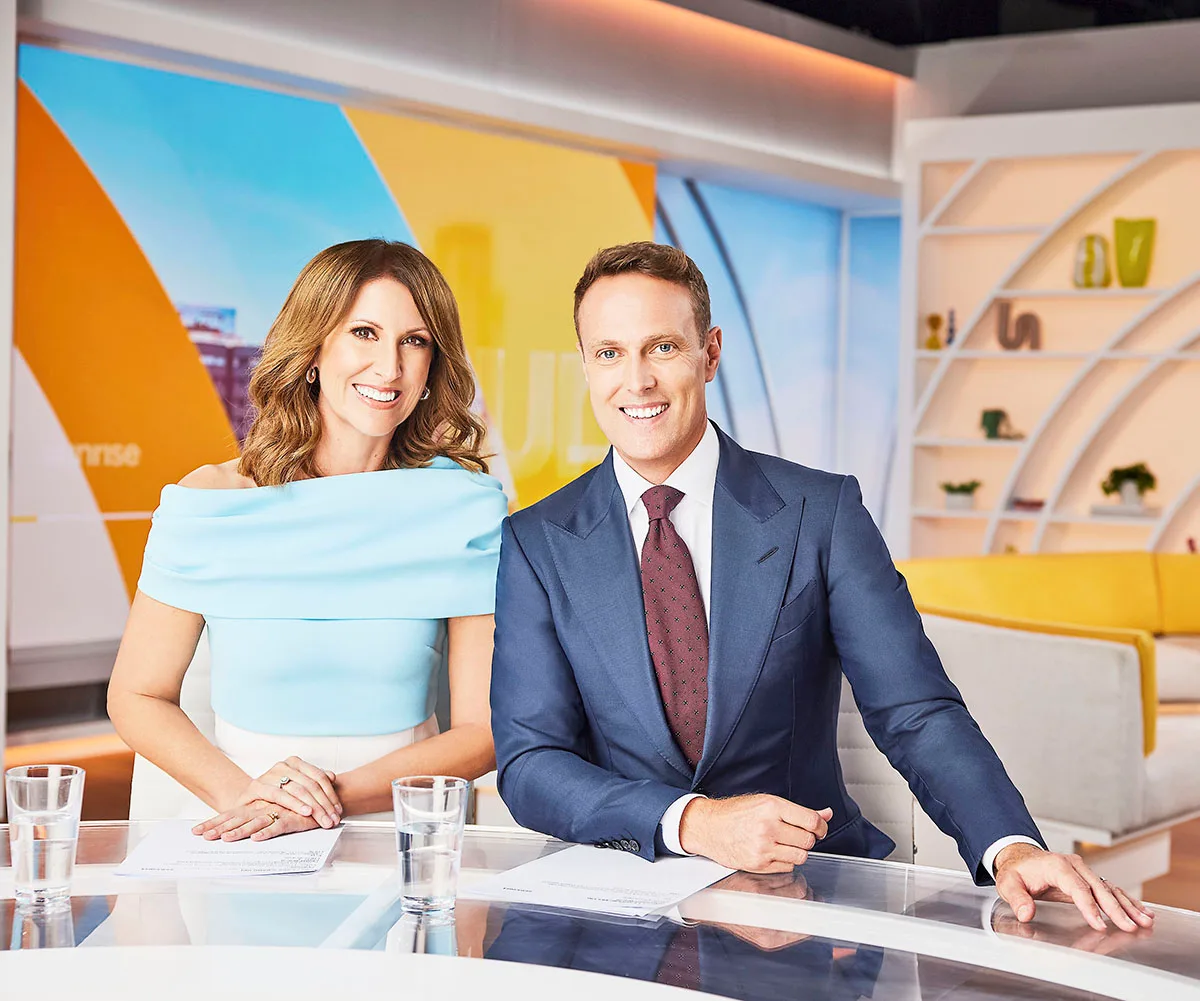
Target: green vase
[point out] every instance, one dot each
(1134, 240)
(990, 421)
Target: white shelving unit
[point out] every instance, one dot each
(983, 230)
(993, 212)
(966, 442)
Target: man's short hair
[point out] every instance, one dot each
(657, 260)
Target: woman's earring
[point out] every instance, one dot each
(425, 395)
(311, 376)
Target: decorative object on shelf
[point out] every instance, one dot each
(1191, 544)
(1026, 504)
(996, 425)
(1130, 482)
(934, 322)
(951, 327)
(1091, 262)
(1026, 331)
(1134, 239)
(1010, 549)
(961, 496)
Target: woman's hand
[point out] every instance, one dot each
(300, 787)
(258, 821)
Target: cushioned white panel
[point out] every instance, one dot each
(1063, 713)
(872, 782)
(1173, 770)
(1177, 667)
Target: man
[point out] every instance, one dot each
(732, 961)
(672, 628)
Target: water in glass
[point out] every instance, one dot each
(43, 830)
(430, 814)
(429, 859)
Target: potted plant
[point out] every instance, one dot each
(1130, 482)
(961, 496)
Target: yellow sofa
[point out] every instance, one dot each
(1149, 600)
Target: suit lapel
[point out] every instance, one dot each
(599, 569)
(750, 521)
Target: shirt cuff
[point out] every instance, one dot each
(669, 825)
(989, 857)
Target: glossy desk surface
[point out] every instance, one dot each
(836, 929)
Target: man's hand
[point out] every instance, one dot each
(1102, 943)
(756, 833)
(1024, 872)
(789, 884)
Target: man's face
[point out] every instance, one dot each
(646, 367)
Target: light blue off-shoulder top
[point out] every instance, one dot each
(326, 599)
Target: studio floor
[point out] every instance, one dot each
(109, 765)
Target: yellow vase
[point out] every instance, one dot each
(1134, 239)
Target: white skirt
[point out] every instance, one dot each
(255, 753)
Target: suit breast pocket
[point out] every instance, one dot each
(797, 611)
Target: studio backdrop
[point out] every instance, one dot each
(161, 219)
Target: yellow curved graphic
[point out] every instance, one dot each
(512, 223)
(103, 340)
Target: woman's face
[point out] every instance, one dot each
(373, 366)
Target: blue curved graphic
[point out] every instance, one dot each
(741, 377)
(773, 267)
(229, 189)
(735, 284)
(717, 397)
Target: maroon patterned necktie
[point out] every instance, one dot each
(680, 964)
(675, 623)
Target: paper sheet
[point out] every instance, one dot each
(172, 851)
(602, 880)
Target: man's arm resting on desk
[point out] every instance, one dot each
(539, 727)
(912, 711)
(917, 718)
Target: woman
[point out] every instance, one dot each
(351, 547)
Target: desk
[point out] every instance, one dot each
(836, 929)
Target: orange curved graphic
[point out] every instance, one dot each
(643, 178)
(103, 339)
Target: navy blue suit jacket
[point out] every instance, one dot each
(802, 590)
(725, 965)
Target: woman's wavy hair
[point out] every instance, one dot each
(281, 443)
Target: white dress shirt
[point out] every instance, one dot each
(696, 478)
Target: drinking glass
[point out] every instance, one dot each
(43, 928)
(43, 831)
(431, 811)
(427, 933)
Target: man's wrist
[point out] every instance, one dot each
(668, 826)
(691, 826)
(1014, 852)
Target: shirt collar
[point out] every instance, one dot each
(696, 476)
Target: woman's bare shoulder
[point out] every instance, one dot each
(221, 476)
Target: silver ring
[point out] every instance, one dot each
(284, 781)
